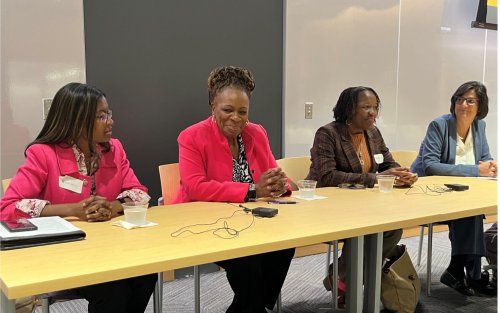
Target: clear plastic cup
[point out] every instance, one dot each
(306, 188)
(135, 212)
(385, 183)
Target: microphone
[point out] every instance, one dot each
(245, 208)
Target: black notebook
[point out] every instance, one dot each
(51, 230)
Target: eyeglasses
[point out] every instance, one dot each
(469, 101)
(351, 186)
(105, 116)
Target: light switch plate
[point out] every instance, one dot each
(308, 110)
(47, 102)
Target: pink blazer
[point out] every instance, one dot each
(206, 163)
(38, 177)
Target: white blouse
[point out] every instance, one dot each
(465, 150)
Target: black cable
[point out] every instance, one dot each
(433, 190)
(233, 233)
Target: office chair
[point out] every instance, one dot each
(404, 157)
(70, 294)
(170, 184)
(297, 168)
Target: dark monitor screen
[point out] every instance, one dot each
(486, 15)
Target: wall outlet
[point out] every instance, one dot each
(308, 110)
(47, 102)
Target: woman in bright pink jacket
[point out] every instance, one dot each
(228, 159)
(75, 168)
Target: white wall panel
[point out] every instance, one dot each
(413, 53)
(42, 48)
(331, 45)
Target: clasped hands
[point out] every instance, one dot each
(404, 178)
(272, 183)
(95, 209)
(488, 168)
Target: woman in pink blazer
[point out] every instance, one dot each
(228, 159)
(75, 168)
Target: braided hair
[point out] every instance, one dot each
(229, 76)
(346, 105)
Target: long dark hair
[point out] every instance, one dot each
(72, 116)
(481, 93)
(346, 105)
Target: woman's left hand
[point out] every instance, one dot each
(404, 178)
(98, 210)
(280, 185)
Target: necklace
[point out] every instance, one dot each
(360, 156)
(357, 140)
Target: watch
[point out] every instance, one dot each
(121, 200)
(251, 193)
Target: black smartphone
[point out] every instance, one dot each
(19, 225)
(457, 187)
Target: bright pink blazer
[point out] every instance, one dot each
(206, 163)
(38, 177)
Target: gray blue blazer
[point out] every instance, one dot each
(437, 157)
(438, 149)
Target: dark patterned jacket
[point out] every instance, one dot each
(334, 158)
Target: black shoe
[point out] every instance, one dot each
(482, 287)
(459, 285)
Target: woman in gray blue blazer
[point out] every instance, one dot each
(456, 145)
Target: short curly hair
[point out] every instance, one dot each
(229, 76)
(481, 93)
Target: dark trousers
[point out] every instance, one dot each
(467, 240)
(129, 295)
(257, 280)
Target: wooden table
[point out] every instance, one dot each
(111, 253)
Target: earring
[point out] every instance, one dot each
(247, 123)
(213, 117)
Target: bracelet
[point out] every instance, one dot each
(121, 200)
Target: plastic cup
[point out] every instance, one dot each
(306, 188)
(385, 183)
(135, 212)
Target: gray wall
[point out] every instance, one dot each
(152, 59)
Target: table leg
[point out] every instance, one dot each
(429, 260)
(354, 294)
(373, 273)
(7, 305)
(158, 294)
(196, 274)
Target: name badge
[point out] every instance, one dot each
(71, 183)
(379, 158)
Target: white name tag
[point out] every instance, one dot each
(71, 183)
(379, 158)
